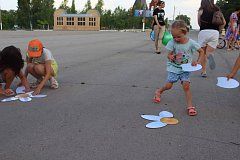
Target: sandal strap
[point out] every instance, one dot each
(191, 108)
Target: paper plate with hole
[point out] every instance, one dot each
(225, 83)
(151, 117)
(20, 90)
(189, 68)
(156, 125)
(169, 120)
(25, 99)
(9, 99)
(165, 114)
(38, 96)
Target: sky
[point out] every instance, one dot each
(186, 7)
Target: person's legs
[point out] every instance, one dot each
(230, 43)
(158, 92)
(156, 33)
(30, 69)
(209, 53)
(204, 63)
(41, 71)
(161, 33)
(186, 88)
(171, 78)
(208, 40)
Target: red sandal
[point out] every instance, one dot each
(191, 111)
(156, 98)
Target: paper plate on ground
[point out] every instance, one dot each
(9, 99)
(156, 125)
(25, 99)
(165, 114)
(189, 68)
(151, 117)
(169, 120)
(225, 83)
(38, 96)
(20, 90)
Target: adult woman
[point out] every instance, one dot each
(159, 25)
(209, 34)
(233, 29)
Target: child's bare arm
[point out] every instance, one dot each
(46, 77)
(26, 71)
(24, 81)
(235, 69)
(200, 57)
(170, 56)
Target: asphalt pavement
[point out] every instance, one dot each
(107, 80)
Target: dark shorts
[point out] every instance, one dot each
(173, 77)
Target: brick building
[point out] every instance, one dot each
(76, 22)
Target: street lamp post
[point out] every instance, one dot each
(0, 18)
(30, 19)
(144, 17)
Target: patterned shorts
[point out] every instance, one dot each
(173, 77)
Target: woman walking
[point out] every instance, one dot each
(159, 25)
(209, 33)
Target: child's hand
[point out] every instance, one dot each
(194, 63)
(229, 76)
(37, 91)
(171, 57)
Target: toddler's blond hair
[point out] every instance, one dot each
(181, 25)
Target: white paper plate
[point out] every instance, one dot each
(151, 117)
(27, 99)
(20, 90)
(9, 99)
(189, 68)
(165, 114)
(38, 96)
(224, 83)
(156, 125)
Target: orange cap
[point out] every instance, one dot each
(35, 48)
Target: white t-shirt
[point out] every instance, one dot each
(46, 56)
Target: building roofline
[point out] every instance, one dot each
(76, 15)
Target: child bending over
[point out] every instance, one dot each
(41, 65)
(11, 64)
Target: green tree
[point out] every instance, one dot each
(185, 18)
(99, 6)
(228, 7)
(23, 13)
(73, 8)
(42, 13)
(87, 6)
(65, 6)
(9, 19)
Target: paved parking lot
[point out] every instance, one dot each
(107, 80)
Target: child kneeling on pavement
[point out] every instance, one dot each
(41, 65)
(11, 64)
